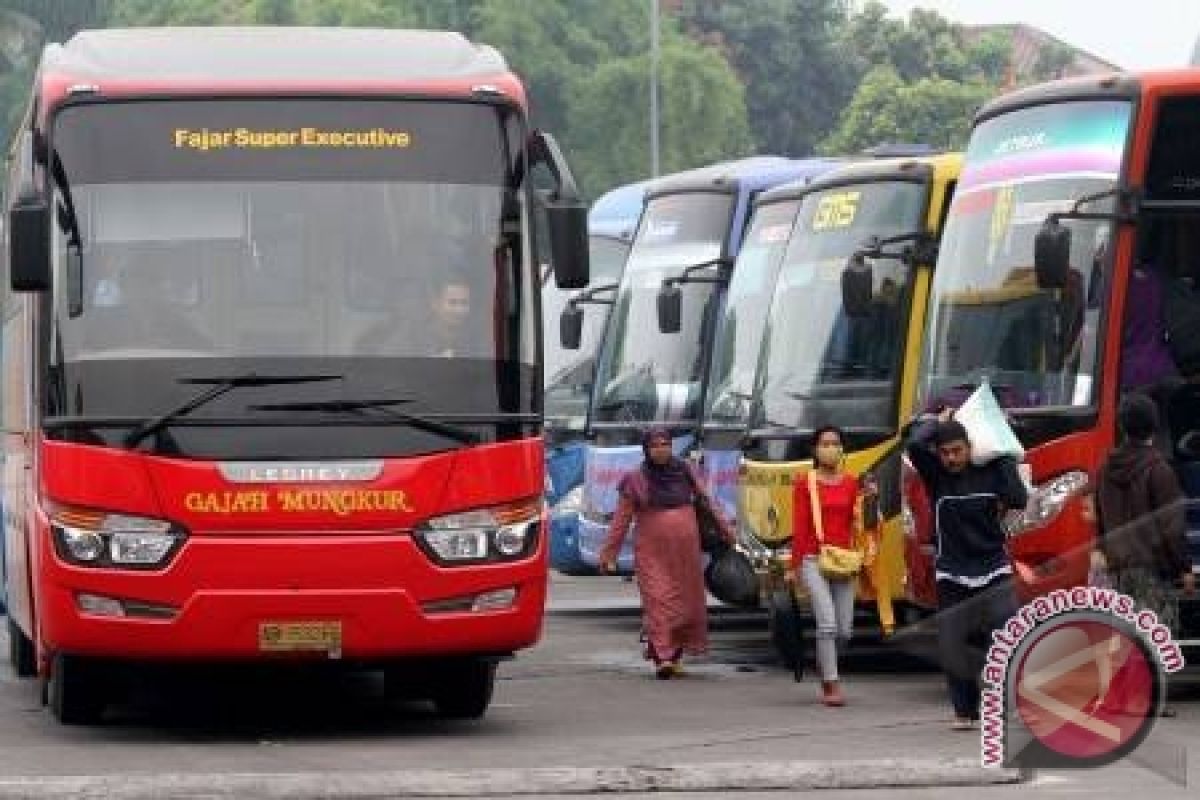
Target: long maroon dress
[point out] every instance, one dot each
(667, 560)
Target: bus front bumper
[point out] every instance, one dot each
(357, 598)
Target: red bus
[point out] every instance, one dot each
(1075, 215)
(272, 358)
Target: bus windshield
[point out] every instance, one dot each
(220, 237)
(820, 365)
(988, 318)
(569, 372)
(735, 355)
(645, 375)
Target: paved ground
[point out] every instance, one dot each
(581, 699)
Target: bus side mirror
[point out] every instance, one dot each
(670, 308)
(570, 327)
(566, 215)
(858, 286)
(29, 244)
(1052, 255)
(569, 244)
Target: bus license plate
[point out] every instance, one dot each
(320, 636)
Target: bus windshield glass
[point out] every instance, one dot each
(364, 238)
(821, 365)
(569, 372)
(735, 355)
(988, 318)
(645, 375)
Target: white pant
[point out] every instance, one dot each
(833, 608)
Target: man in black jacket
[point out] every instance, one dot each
(1142, 541)
(973, 571)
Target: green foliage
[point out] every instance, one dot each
(1051, 62)
(587, 67)
(885, 109)
(25, 26)
(927, 45)
(786, 52)
(703, 116)
(921, 80)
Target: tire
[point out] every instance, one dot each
(75, 691)
(464, 690)
(21, 652)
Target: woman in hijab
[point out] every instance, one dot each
(657, 497)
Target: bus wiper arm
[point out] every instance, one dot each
(219, 386)
(358, 406)
(67, 216)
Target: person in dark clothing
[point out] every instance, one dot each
(1141, 515)
(1183, 419)
(973, 571)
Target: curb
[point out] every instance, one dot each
(727, 777)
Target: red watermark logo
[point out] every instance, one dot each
(1075, 679)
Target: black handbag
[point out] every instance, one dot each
(730, 577)
(711, 540)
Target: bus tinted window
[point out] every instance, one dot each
(291, 140)
(1174, 172)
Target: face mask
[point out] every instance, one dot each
(829, 454)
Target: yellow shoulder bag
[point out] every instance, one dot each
(837, 563)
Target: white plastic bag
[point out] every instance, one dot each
(987, 428)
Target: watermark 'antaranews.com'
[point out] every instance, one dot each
(1075, 678)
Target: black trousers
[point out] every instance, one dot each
(966, 618)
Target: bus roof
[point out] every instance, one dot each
(746, 174)
(1115, 85)
(264, 59)
(942, 164)
(1111, 85)
(616, 212)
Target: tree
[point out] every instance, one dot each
(137, 13)
(25, 26)
(703, 116)
(1052, 62)
(886, 110)
(922, 80)
(586, 66)
(381, 13)
(927, 45)
(786, 52)
(559, 44)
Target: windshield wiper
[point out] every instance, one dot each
(358, 406)
(219, 386)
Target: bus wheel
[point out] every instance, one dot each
(75, 691)
(21, 651)
(464, 689)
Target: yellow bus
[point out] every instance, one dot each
(842, 348)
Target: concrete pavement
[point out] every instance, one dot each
(578, 714)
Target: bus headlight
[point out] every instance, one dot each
(99, 539)
(80, 545)
(503, 533)
(130, 547)
(1046, 502)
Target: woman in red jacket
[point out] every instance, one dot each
(832, 599)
